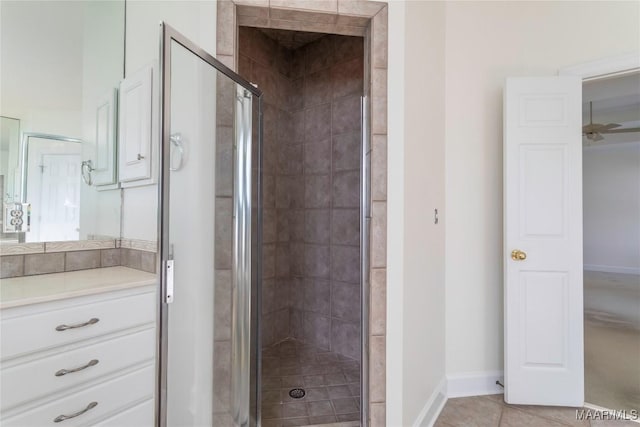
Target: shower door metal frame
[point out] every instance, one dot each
(365, 241)
(168, 35)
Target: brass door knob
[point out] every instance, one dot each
(518, 255)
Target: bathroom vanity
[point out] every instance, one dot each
(78, 348)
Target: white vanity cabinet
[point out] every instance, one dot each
(84, 360)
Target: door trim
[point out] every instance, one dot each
(604, 68)
(167, 35)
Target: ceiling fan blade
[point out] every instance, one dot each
(597, 127)
(593, 136)
(623, 130)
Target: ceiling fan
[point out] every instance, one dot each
(594, 131)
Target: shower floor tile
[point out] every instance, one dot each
(331, 383)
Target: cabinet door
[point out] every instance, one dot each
(105, 164)
(135, 126)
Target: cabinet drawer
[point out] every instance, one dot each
(34, 330)
(142, 415)
(33, 380)
(111, 397)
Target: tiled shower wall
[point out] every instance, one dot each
(264, 62)
(311, 187)
(325, 308)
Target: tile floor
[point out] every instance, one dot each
(331, 382)
(491, 411)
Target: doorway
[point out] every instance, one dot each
(313, 210)
(611, 218)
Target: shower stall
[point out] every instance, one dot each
(263, 224)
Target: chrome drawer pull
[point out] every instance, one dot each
(61, 418)
(79, 325)
(62, 372)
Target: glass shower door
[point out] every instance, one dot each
(208, 345)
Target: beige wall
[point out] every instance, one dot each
(486, 42)
(415, 290)
(424, 304)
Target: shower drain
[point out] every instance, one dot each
(297, 393)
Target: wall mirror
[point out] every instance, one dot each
(61, 64)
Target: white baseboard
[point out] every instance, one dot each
(611, 269)
(431, 410)
(474, 384)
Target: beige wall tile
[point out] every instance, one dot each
(222, 376)
(311, 5)
(378, 305)
(352, 21)
(303, 16)
(257, 8)
(225, 28)
(11, 266)
(379, 83)
(110, 257)
(377, 368)
(253, 21)
(21, 248)
(379, 116)
(223, 232)
(359, 8)
(79, 245)
(379, 36)
(131, 258)
(222, 308)
(148, 262)
(224, 161)
(379, 235)
(43, 263)
(379, 167)
(141, 245)
(378, 415)
(82, 260)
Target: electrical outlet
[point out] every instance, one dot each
(17, 217)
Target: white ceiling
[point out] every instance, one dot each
(41, 46)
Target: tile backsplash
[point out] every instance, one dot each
(52, 258)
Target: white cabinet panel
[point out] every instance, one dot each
(141, 415)
(135, 122)
(110, 396)
(103, 372)
(32, 380)
(33, 331)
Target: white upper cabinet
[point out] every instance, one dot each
(135, 126)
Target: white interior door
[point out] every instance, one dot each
(544, 356)
(59, 217)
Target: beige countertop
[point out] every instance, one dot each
(18, 291)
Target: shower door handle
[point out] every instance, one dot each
(169, 288)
